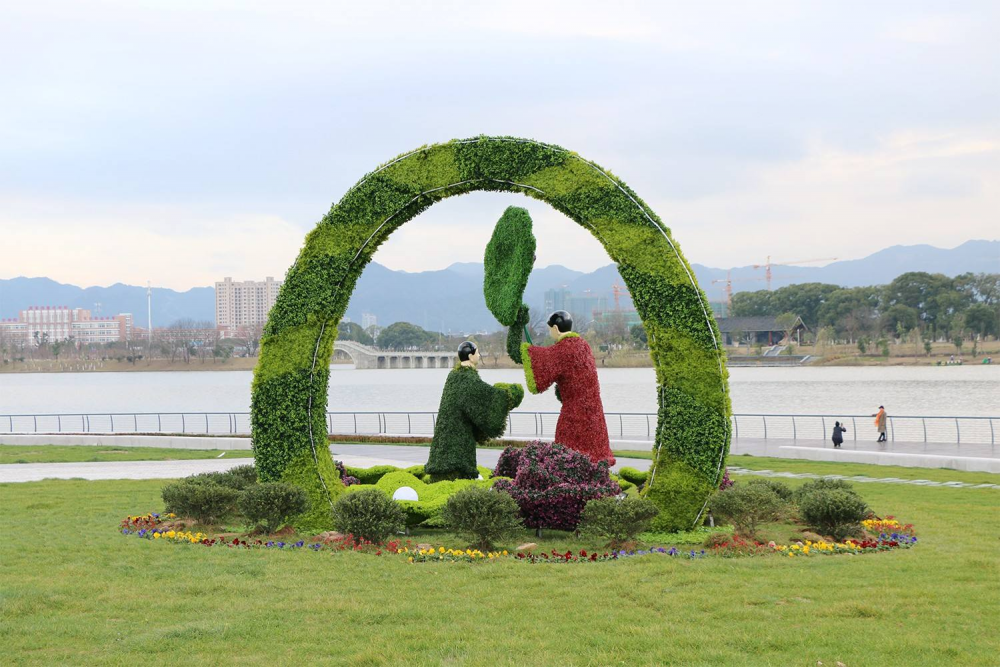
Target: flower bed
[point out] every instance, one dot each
(891, 535)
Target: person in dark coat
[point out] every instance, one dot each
(838, 435)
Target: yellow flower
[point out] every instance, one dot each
(171, 534)
(410, 559)
(441, 549)
(504, 552)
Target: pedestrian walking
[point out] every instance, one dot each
(880, 422)
(838, 435)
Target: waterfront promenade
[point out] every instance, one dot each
(366, 455)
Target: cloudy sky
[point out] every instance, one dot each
(180, 142)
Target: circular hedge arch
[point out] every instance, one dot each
(288, 406)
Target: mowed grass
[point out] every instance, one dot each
(103, 453)
(847, 469)
(75, 591)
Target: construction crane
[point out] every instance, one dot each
(728, 289)
(767, 266)
(618, 290)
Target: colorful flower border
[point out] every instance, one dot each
(892, 535)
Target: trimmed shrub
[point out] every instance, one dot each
(781, 489)
(487, 517)
(821, 484)
(552, 484)
(272, 504)
(617, 520)
(746, 506)
(834, 512)
(369, 475)
(241, 476)
(634, 476)
(204, 501)
(238, 478)
(368, 514)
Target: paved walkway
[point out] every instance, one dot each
(966, 457)
(361, 456)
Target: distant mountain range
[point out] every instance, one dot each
(452, 300)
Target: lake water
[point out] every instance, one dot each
(931, 390)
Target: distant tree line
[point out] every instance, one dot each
(931, 305)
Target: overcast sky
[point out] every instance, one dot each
(180, 142)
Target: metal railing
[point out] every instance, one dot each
(622, 426)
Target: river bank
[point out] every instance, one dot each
(840, 355)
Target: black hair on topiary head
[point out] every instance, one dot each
(561, 320)
(466, 350)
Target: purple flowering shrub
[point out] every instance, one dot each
(346, 479)
(725, 483)
(552, 483)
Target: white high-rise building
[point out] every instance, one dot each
(368, 320)
(244, 304)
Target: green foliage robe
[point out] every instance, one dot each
(471, 411)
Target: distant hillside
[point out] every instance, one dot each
(875, 269)
(451, 299)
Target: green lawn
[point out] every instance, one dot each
(98, 453)
(850, 469)
(75, 591)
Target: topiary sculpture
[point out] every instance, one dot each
(290, 381)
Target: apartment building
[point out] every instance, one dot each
(244, 304)
(39, 324)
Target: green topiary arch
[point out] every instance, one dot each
(289, 395)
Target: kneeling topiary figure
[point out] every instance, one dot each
(368, 514)
(486, 516)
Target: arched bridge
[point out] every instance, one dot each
(365, 356)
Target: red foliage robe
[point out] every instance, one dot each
(569, 364)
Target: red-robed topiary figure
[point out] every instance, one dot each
(569, 364)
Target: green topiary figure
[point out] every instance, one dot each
(471, 411)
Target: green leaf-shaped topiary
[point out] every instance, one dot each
(510, 256)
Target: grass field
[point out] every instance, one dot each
(95, 453)
(75, 591)
(837, 468)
